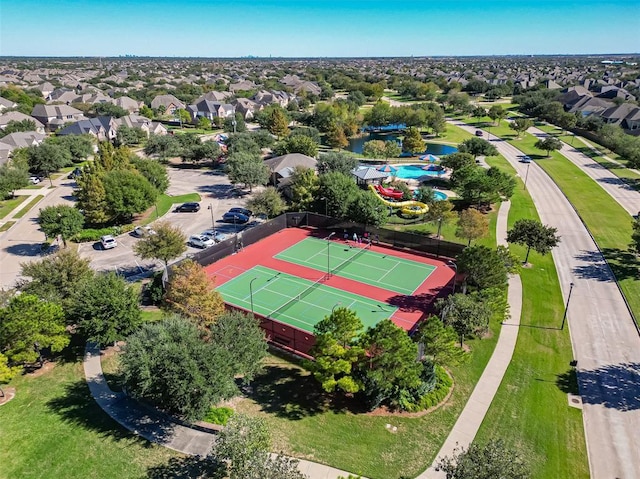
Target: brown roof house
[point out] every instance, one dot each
(55, 116)
(281, 167)
(170, 103)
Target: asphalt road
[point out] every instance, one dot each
(605, 341)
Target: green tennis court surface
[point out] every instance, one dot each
(288, 299)
(366, 266)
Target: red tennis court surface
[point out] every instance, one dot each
(411, 308)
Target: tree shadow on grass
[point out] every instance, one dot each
(186, 468)
(77, 407)
(612, 386)
(291, 394)
(623, 263)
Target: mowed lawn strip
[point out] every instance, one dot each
(530, 412)
(7, 206)
(26, 209)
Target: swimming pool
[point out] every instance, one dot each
(415, 172)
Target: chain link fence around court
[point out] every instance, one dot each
(397, 239)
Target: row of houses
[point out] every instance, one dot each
(604, 105)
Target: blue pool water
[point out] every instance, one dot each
(415, 172)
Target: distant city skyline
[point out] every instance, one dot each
(287, 28)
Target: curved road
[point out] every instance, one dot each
(605, 341)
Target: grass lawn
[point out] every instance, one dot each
(530, 410)
(53, 429)
(30, 205)
(7, 225)
(164, 204)
(7, 206)
(453, 135)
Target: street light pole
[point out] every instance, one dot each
(251, 292)
(526, 176)
(335, 306)
(566, 308)
(455, 266)
(439, 239)
(326, 206)
(213, 224)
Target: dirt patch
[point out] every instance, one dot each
(9, 394)
(46, 367)
(112, 350)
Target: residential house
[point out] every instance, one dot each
(243, 85)
(268, 97)
(590, 105)
(211, 109)
(631, 122)
(169, 102)
(214, 96)
(21, 139)
(247, 108)
(281, 167)
(45, 88)
(127, 103)
(142, 122)
(6, 104)
(18, 116)
(102, 128)
(616, 114)
(55, 116)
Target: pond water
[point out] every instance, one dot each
(356, 144)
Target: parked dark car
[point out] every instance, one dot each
(479, 133)
(236, 218)
(243, 211)
(75, 174)
(188, 208)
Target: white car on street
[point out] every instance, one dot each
(200, 241)
(108, 242)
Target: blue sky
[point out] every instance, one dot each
(291, 28)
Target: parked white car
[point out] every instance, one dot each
(200, 241)
(34, 180)
(215, 235)
(108, 242)
(143, 231)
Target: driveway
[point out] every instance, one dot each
(605, 341)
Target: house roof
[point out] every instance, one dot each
(290, 160)
(91, 125)
(369, 173)
(166, 100)
(18, 116)
(54, 110)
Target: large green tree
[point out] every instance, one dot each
(367, 209)
(548, 144)
(47, 158)
(12, 177)
(533, 234)
(339, 192)
(467, 314)
(439, 342)
(337, 161)
(485, 461)
(154, 172)
(7, 373)
(248, 169)
(79, 147)
(303, 188)
(477, 147)
(127, 193)
(496, 113)
(275, 121)
(520, 125)
(164, 146)
(297, 144)
(92, 197)
(413, 142)
(482, 267)
(635, 235)
(105, 308)
(336, 352)
(268, 201)
(472, 225)
(61, 220)
(166, 244)
(29, 324)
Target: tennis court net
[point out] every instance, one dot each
(296, 298)
(351, 258)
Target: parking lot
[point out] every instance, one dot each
(218, 196)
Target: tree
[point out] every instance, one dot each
(366, 208)
(127, 192)
(439, 342)
(478, 112)
(154, 172)
(339, 192)
(191, 293)
(392, 149)
(268, 201)
(413, 142)
(390, 366)
(47, 158)
(472, 225)
(15, 126)
(303, 188)
(57, 277)
(245, 340)
(440, 211)
(164, 146)
(302, 144)
(477, 147)
(336, 352)
(170, 365)
(520, 125)
(12, 177)
(91, 197)
(483, 267)
(337, 161)
(27, 325)
(248, 169)
(635, 235)
(7, 373)
(336, 138)
(466, 313)
(276, 121)
(458, 161)
(106, 309)
(533, 234)
(204, 123)
(496, 112)
(79, 147)
(242, 452)
(549, 144)
(61, 220)
(127, 136)
(166, 244)
(487, 461)
(373, 149)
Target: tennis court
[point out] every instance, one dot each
(295, 301)
(359, 263)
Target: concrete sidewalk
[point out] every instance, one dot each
(157, 427)
(469, 421)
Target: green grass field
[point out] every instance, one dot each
(7, 206)
(28, 207)
(53, 428)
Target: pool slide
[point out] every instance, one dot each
(407, 207)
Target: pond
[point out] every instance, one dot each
(356, 144)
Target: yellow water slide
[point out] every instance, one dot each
(414, 208)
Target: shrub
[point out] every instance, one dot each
(218, 415)
(437, 395)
